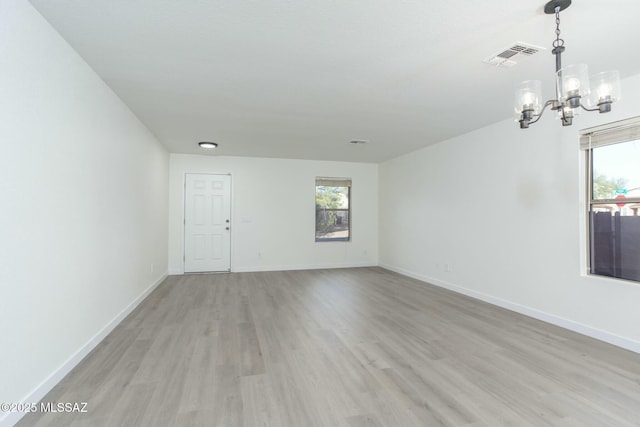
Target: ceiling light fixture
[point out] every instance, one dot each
(572, 85)
(207, 145)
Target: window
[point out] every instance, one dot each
(613, 198)
(333, 213)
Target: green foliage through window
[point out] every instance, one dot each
(605, 187)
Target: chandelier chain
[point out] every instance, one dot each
(558, 41)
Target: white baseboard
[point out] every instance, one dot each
(11, 418)
(258, 268)
(608, 337)
(302, 267)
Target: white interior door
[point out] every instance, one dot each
(207, 223)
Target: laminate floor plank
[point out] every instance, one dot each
(358, 347)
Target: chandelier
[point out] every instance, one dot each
(572, 85)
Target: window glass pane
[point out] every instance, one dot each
(615, 240)
(332, 213)
(616, 171)
(615, 226)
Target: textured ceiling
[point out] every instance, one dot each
(300, 79)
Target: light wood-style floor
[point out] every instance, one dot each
(350, 347)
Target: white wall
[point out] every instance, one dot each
(83, 206)
(273, 206)
(503, 210)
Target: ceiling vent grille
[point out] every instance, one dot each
(509, 56)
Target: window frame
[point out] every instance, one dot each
(334, 182)
(613, 133)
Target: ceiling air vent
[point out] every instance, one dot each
(508, 57)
